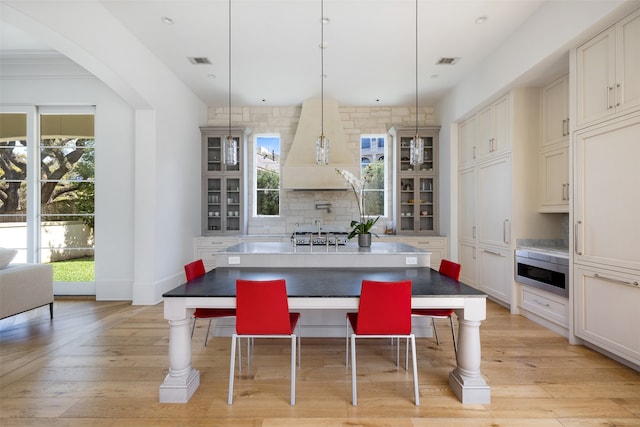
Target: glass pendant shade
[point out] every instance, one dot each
(416, 154)
(230, 151)
(322, 150)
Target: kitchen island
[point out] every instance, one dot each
(328, 292)
(277, 254)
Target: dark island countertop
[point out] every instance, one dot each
(324, 282)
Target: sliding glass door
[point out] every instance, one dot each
(47, 192)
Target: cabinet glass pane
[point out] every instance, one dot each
(214, 153)
(427, 164)
(405, 154)
(214, 205)
(407, 204)
(425, 204)
(235, 167)
(233, 204)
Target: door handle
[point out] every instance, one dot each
(506, 230)
(492, 252)
(576, 240)
(617, 281)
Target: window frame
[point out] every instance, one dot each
(255, 190)
(386, 166)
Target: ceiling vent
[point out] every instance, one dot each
(198, 60)
(447, 61)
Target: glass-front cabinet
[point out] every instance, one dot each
(416, 203)
(223, 201)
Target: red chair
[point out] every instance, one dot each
(449, 269)
(262, 311)
(384, 312)
(194, 270)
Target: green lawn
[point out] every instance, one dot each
(74, 270)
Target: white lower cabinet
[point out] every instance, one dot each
(550, 310)
(436, 245)
(496, 276)
(607, 311)
(206, 248)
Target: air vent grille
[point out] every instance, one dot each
(198, 60)
(447, 61)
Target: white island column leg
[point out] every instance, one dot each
(465, 380)
(182, 380)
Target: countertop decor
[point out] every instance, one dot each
(364, 225)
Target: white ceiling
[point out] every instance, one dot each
(370, 58)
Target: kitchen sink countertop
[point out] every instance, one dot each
(379, 248)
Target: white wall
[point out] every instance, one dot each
(153, 196)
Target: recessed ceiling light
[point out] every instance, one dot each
(434, 76)
(167, 20)
(211, 76)
(481, 19)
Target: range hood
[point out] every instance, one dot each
(300, 171)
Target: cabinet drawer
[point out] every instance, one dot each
(550, 307)
(206, 249)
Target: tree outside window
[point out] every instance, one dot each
(267, 156)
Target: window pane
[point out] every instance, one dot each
(67, 189)
(373, 172)
(267, 196)
(13, 183)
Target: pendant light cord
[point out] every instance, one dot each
(416, 70)
(229, 68)
(322, 68)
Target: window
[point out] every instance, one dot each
(267, 173)
(47, 190)
(373, 167)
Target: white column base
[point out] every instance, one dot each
(469, 390)
(179, 389)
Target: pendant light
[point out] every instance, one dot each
(230, 144)
(416, 153)
(322, 143)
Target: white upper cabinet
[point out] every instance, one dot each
(495, 128)
(608, 72)
(555, 112)
(554, 185)
(467, 144)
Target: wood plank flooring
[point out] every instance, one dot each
(101, 364)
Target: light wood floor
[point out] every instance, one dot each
(101, 363)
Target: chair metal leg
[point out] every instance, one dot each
(416, 390)
(193, 327)
(346, 338)
(232, 368)
(354, 389)
(293, 369)
(207, 336)
(435, 329)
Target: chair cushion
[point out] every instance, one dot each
(212, 313)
